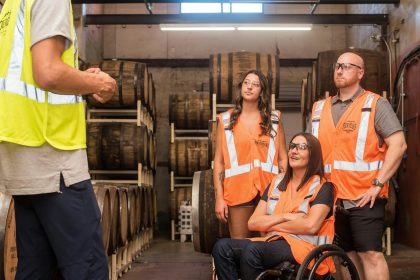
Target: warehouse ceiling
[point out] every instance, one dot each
(229, 18)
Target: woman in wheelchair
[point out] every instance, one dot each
(294, 216)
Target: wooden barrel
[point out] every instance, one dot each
(104, 203)
(115, 216)
(188, 156)
(140, 201)
(8, 256)
(116, 146)
(155, 212)
(304, 97)
(227, 69)
(131, 206)
(150, 94)
(212, 140)
(132, 84)
(206, 227)
(145, 208)
(151, 210)
(154, 166)
(123, 217)
(189, 111)
(376, 78)
(153, 100)
(151, 150)
(178, 195)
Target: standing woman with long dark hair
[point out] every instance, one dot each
(250, 151)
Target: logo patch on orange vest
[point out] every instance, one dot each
(261, 143)
(349, 126)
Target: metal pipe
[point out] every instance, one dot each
(313, 8)
(402, 95)
(391, 90)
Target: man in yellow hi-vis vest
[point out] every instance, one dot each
(43, 161)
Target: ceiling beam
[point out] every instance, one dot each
(204, 62)
(395, 2)
(145, 19)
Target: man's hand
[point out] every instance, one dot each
(221, 210)
(109, 86)
(93, 70)
(369, 196)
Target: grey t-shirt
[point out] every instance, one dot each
(35, 170)
(50, 18)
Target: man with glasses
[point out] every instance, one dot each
(362, 144)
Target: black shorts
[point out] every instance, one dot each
(360, 229)
(252, 203)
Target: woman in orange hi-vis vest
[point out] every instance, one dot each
(250, 151)
(294, 215)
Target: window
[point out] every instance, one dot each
(221, 8)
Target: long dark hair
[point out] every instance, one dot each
(263, 104)
(315, 164)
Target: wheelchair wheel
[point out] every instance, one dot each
(319, 254)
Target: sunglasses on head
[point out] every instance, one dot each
(299, 146)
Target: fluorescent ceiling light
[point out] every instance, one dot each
(240, 27)
(275, 27)
(195, 27)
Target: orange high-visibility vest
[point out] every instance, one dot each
(279, 202)
(251, 160)
(351, 151)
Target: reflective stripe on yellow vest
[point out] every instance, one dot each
(248, 170)
(278, 203)
(29, 115)
(351, 152)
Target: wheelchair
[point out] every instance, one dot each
(289, 271)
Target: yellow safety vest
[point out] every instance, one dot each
(31, 116)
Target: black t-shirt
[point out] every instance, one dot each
(325, 196)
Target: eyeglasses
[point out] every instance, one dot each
(299, 146)
(249, 83)
(345, 66)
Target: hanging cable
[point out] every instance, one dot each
(149, 7)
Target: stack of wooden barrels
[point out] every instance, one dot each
(189, 115)
(121, 148)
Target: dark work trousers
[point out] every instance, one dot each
(246, 259)
(60, 230)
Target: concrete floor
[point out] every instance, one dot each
(173, 260)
